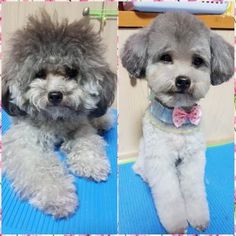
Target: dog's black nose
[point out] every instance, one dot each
(182, 83)
(55, 97)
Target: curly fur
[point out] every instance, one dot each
(50, 45)
(45, 56)
(173, 164)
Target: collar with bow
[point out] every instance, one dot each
(176, 116)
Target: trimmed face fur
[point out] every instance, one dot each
(56, 70)
(180, 58)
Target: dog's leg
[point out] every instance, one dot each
(160, 157)
(37, 175)
(139, 164)
(86, 154)
(168, 199)
(193, 188)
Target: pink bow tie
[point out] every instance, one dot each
(179, 116)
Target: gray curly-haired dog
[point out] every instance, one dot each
(57, 87)
(180, 58)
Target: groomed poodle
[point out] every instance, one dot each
(57, 86)
(180, 58)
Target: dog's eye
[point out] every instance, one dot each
(71, 72)
(198, 61)
(166, 58)
(94, 95)
(40, 74)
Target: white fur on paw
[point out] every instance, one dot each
(198, 219)
(55, 200)
(90, 165)
(173, 216)
(176, 225)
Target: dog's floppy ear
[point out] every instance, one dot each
(222, 59)
(107, 88)
(11, 108)
(134, 54)
(8, 75)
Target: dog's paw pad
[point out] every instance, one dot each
(198, 214)
(178, 230)
(199, 223)
(201, 227)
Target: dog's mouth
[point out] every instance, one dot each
(59, 106)
(61, 109)
(62, 112)
(179, 92)
(64, 108)
(182, 92)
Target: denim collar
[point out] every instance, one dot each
(164, 114)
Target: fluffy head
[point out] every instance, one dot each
(56, 69)
(180, 58)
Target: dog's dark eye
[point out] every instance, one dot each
(166, 58)
(94, 95)
(40, 74)
(71, 72)
(198, 61)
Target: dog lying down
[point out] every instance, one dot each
(180, 58)
(57, 87)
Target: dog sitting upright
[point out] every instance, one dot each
(55, 83)
(180, 58)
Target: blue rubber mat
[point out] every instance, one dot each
(97, 213)
(137, 213)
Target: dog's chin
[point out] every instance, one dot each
(59, 108)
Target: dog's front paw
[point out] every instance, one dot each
(176, 225)
(172, 214)
(55, 200)
(198, 218)
(139, 171)
(89, 164)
